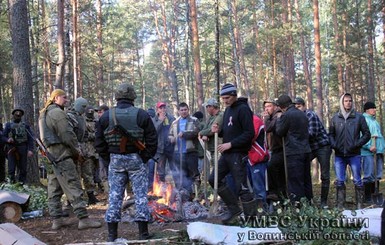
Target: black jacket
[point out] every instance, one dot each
(143, 120)
(293, 126)
(274, 141)
(238, 127)
(348, 136)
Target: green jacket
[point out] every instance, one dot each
(206, 131)
(56, 133)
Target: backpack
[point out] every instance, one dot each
(258, 153)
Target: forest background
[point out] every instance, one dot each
(185, 50)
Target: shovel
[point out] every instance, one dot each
(377, 197)
(285, 166)
(214, 207)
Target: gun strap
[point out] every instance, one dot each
(113, 114)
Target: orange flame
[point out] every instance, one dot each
(162, 189)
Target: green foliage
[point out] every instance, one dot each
(38, 195)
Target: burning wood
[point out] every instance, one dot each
(164, 202)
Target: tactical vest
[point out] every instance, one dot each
(19, 132)
(47, 135)
(127, 118)
(78, 125)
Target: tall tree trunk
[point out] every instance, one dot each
(99, 36)
(34, 58)
(256, 66)
(47, 83)
(345, 43)
(318, 64)
(305, 63)
(237, 66)
(217, 45)
(239, 49)
(196, 54)
(187, 41)
(22, 80)
(75, 50)
(290, 61)
(60, 43)
(370, 72)
(274, 52)
(337, 40)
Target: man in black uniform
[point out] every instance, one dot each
(19, 137)
(127, 160)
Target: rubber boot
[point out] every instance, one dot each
(58, 223)
(368, 192)
(91, 198)
(324, 197)
(341, 196)
(86, 223)
(373, 186)
(112, 231)
(231, 202)
(250, 208)
(359, 196)
(143, 230)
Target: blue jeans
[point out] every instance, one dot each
(368, 167)
(257, 177)
(340, 164)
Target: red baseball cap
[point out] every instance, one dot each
(159, 104)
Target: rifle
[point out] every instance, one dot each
(127, 136)
(43, 150)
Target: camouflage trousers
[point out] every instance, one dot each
(86, 172)
(65, 180)
(124, 168)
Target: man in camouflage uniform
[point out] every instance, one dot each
(61, 142)
(215, 116)
(18, 136)
(84, 164)
(127, 161)
(90, 153)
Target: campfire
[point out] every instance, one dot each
(168, 204)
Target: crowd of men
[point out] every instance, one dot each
(262, 158)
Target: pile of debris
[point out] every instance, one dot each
(168, 204)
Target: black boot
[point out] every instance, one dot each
(359, 196)
(341, 197)
(91, 198)
(231, 202)
(368, 192)
(143, 230)
(324, 196)
(112, 231)
(250, 208)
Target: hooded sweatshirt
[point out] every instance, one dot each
(348, 131)
(238, 127)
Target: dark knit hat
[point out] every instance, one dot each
(198, 115)
(229, 89)
(369, 105)
(284, 101)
